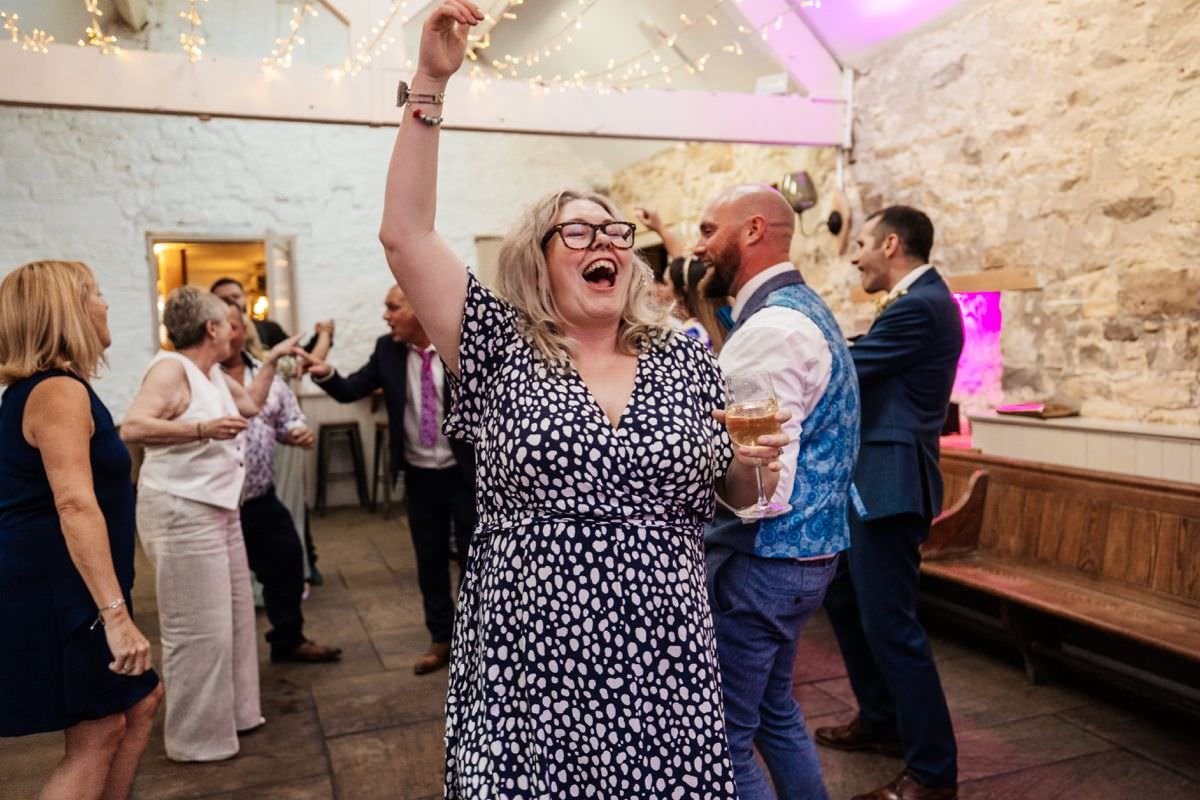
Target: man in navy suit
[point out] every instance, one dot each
(906, 364)
(439, 473)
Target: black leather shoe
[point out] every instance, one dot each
(858, 735)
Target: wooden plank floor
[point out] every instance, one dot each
(368, 728)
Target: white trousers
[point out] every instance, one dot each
(206, 620)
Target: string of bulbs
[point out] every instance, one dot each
(192, 40)
(614, 77)
(36, 41)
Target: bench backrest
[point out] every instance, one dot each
(1141, 533)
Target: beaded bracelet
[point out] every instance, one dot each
(426, 119)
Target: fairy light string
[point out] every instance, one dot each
(192, 40)
(36, 41)
(281, 55)
(94, 35)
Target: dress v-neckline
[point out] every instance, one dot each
(619, 426)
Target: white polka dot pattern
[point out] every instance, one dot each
(584, 663)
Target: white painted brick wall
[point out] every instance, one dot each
(90, 185)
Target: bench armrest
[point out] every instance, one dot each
(956, 530)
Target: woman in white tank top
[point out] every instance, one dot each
(188, 415)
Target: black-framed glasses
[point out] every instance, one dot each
(581, 235)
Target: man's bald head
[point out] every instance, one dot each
(748, 200)
(745, 229)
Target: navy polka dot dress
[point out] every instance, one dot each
(584, 663)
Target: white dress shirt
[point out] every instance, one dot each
(789, 346)
(439, 456)
(907, 281)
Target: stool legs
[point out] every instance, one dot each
(328, 434)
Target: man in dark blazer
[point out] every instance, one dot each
(906, 364)
(439, 473)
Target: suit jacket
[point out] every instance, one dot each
(387, 369)
(906, 364)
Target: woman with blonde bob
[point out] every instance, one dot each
(583, 661)
(73, 659)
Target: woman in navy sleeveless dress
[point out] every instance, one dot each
(60, 670)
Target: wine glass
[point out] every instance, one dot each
(750, 414)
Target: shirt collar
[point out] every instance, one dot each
(753, 285)
(908, 280)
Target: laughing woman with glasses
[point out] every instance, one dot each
(583, 662)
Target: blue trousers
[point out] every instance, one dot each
(872, 604)
(759, 607)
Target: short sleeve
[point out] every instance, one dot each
(488, 330)
(711, 383)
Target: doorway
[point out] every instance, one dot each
(263, 266)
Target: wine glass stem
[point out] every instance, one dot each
(762, 495)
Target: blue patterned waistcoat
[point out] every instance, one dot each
(817, 524)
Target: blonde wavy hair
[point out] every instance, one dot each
(45, 322)
(523, 280)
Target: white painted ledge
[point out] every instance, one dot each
(1149, 450)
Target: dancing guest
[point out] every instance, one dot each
(906, 364)
(768, 577)
(291, 466)
(273, 546)
(583, 659)
(439, 473)
(73, 658)
(188, 414)
(682, 284)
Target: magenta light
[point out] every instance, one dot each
(977, 385)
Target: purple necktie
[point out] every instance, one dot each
(428, 401)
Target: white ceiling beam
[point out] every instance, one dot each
(155, 82)
(796, 47)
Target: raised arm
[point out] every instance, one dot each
(253, 397)
(671, 243)
(58, 422)
(423, 264)
(163, 396)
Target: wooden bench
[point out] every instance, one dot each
(1082, 568)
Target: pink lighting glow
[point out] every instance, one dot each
(977, 386)
(852, 27)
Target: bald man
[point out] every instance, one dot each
(767, 576)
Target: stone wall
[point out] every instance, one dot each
(1063, 138)
(681, 180)
(1057, 137)
(90, 186)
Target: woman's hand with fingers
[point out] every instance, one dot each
(221, 428)
(311, 365)
(769, 449)
(129, 648)
(444, 38)
(285, 348)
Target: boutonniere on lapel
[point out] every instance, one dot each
(882, 303)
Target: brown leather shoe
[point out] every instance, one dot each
(310, 653)
(906, 787)
(858, 735)
(434, 659)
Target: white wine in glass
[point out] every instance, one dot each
(750, 414)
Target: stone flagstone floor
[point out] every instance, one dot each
(368, 728)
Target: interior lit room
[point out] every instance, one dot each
(1047, 478)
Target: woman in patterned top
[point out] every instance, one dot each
(583, 661)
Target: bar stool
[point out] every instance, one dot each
(381, 470)
(329, 434)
